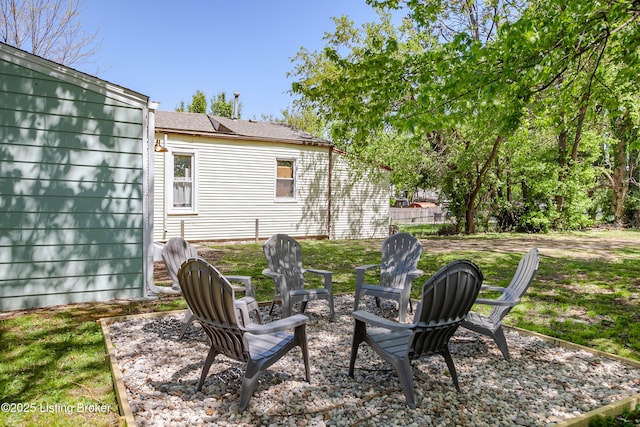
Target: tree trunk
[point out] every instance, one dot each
(623, 130)
(620, 182)
(470, 224)
(562, 162)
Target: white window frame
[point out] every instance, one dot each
(295, 180)
(169, 165)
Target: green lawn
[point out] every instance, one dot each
(587, 291)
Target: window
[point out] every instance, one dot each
(182, 191)
(285, 179)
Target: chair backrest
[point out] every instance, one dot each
(284, 256)
(400, 255)
(175, 252)
(211, 298)
(447, 297)
(522, 278)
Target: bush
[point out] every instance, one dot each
(534, 222)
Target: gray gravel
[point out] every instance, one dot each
(542, 385)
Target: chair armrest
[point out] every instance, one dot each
(287, 323)
(247, 287)
(415, 274)
(505, 303)
(278, 279)
(373, 320)
(360, 271)
(316, 271)
(492, 288)
(327, 275)
(269, 273)
(243, 311)
(367, 267)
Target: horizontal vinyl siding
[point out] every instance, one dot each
(359, 203)
(70, 192)
(236, 187)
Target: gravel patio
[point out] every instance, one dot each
(544, 384)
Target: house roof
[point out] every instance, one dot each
(203, 124)
(188, 122)
(64, 73)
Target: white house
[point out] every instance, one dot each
(225, 179)
(75, 188)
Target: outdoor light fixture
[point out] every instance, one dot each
(158, 147)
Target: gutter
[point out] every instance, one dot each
(245, 137)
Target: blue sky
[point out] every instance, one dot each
(169, 49)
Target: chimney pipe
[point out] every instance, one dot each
(234, 115)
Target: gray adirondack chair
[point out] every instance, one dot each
(212, 299)
(446, 299)
(491, 325)
(400, 255)
(284, 265)
(176, 252)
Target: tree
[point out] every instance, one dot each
(459, 100)
(220, 106)
(198, 103)
(47, 28)
(301, 118)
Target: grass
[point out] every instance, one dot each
(626, 419)
(587, 291)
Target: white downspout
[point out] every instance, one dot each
(148, 139)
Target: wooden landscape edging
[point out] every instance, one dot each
(126, 415)
(610, 410)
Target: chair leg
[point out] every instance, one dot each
(207, 364)
(359, 333)
(402, 309)
(403, 369)
(300, 336)
(303, 306)
(501, 341)
(249, 383)
(186, 321)
(331, 310)
(273, 304)
(452, 368)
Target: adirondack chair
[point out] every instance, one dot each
(446, 299)
(491, 325)
(284, 265)
(400, 255)
(212, 299)
(176, 252)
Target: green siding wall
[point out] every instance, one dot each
(71, 199)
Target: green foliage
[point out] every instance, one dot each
(632, 209)
(198, 103)
(535, 222)
(303, 118)
(220, 106)
(502, 114)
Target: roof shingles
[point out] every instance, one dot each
(180, 122)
